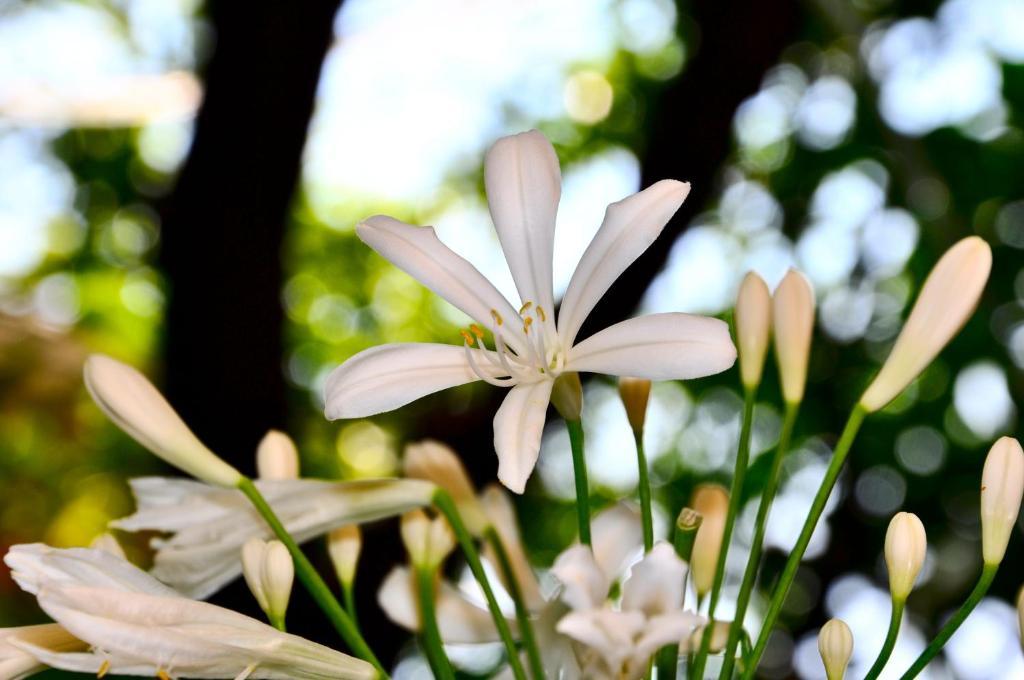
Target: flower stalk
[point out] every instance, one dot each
(579, 468)
(515, 591)
(430, 637)
(895, 620)
(635, 394)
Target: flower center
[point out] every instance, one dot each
(534, 353)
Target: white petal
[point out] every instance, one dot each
(498, 507)
(35, 565)
(523, 185)
(584, 584)
(617, 538)
(518, 426)
(657, 347)
(610, 633)
(418, 251)
(671, 628)
(630, 226)
(655, 585)
(386, 377)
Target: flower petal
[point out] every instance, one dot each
(655, 585)
(584, 584)
(617, 534)
(657, 347)
(671, 628)
(518, 426)
(386, 377)
(610, 633)
(630, 226)
(524, 184)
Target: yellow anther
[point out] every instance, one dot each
(497, 317)
(526, 306)
(477, 331)
(470, 340)
(162, 674)
(526, 328)
(104, 668)
(541, 314)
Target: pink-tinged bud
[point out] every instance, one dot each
(753, 328)
(344, 545)
(905, 547)
(277, 457)
(635, 393)
(835, 644)
(947, 299)
(793, 321)
(712, 502)
(1002, 485)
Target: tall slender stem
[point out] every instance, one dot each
(430, 635)
(760, 527)
(735, 498)
(516, 592)
(984, 581)
(579, 466)
(348, 596)
(644, 488)
(895, 619)
(793, 563)
(446, 506)
(311, 579)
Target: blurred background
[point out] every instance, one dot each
(179, 182)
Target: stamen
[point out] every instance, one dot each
(477, 331)
(541, 314)
(502, 351)
(497, 317)
(526, 306)
(497, 382)
(104, 668)
(246, 672)
(470, 340)
(162, 674)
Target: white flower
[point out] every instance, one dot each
(531, 349)
(210, 524)
(16, 663)
(135, 625)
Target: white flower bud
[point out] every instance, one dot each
(344, 545)
(712, 502)
(753, 327)
(635, 393)
(437, 463)
(905, 546)
(428, 541)
(131, 401)
(269, 572)
(835, 644)
(947, 299)
(793, 321)
(277, 457)
(1002, 484)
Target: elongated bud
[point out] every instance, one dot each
(344, 545)
(428, 541)
(835, 644)
(1002, 484)
(435, 462)
(793, 319)
(269, 572)
(567, 396)
(905, 546)
(753, 327)
(131, 401)
(712, 502)
(719, 632)
(947, 299)
(635, 392)
(277, 457)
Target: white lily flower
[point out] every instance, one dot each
(210, 524)
(531, 349)
(136, 625)
(16, 663)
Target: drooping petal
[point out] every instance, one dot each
(420, 253)
(657, 347)
(498, 508)
(524, 184)
(609, 633)
(386, 377)
(518, 426)
(584, 584)
(670, 628)
(33, 565)
(655, 585)
(630, 226)
(617, 534)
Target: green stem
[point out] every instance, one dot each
(895, 619)
(278, 622)
(446, 506)
(516, 592)
(312, 580)
(760, 527)
(579, 466)
(348, 595)
(735, 497)
(644, 487)
(430, 636)
(984, 581)
(793, 563)
(667, 662)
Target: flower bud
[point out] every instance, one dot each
(712, 502)
(277, 457)
(947, 299)
(567, 396)
(753, 326)
(905, 545)
(635, 392)
(435, 462)
(131, 401)
(719, 638)
(835, 644)
(269, 573)
(793, 318)
(428, 541)
(1002, 484)
(344, 545)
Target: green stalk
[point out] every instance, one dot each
(644, 487)
(984, 581)
(278, 622)
(430, 635)
(685, 532)
(516, 592)
(579, 467)
(446, 506)
(760, 527)
(895, 619)
(793, 563)
(348, 595)
(312, 580)
(735, 497)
